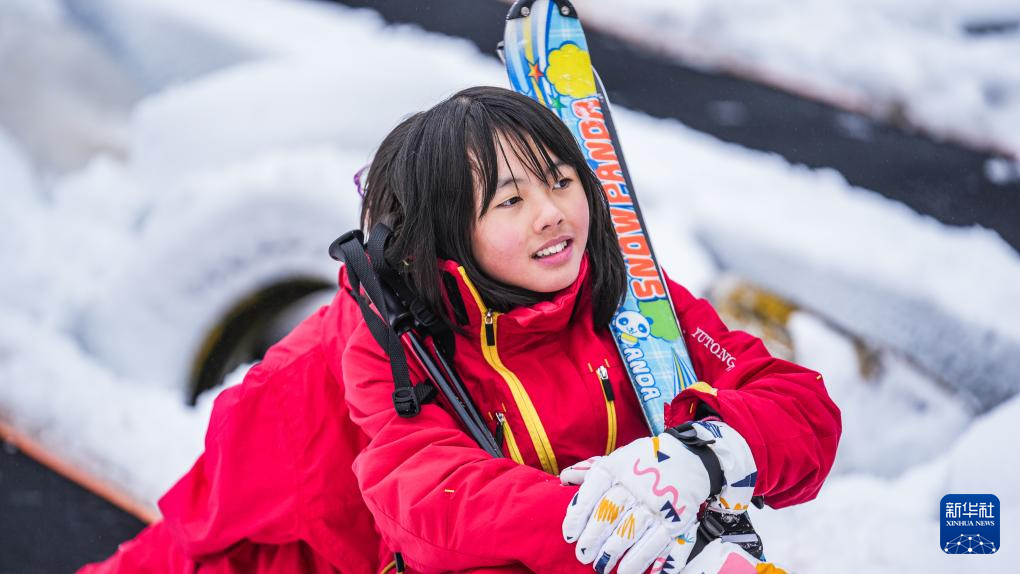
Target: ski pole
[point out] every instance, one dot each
(392, 321)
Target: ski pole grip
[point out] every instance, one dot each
(336, 249)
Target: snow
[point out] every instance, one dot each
(906, 60)
(970, 271)
(19, 176)
(214, 157)
(62, 115)
(129, 434)
(891, 423)
(861, 522)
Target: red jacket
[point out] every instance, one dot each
(304, 473)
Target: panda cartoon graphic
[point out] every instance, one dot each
(632, 327)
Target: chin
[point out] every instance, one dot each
(563, 279)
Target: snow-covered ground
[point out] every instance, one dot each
(292, 100)
(925, 62)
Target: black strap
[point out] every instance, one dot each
(688, 436)
(392, 299)
(709, 528)
(407, 397)
(716, 524)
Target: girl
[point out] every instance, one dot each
(505, 234)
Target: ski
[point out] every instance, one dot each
(546, 57)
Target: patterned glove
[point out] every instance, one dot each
(739, 471)
(643, 499)
(649, 490)
(575, 473)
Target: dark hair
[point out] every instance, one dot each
(380, 204)
(421, 183)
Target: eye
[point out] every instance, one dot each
(510, 202)
(563, 183)
(624, 320)
(642, 328)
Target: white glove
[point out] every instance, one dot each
(645, 495)
(575, 473)
(739, 471)
(720, 557)
(645, 498)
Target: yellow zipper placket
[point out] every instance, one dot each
(532, 422)
(602, 372)
(521, 397)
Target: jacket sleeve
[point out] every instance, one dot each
(241, 488)
(437, 497)
(781, 409)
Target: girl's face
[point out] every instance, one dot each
(534, 233)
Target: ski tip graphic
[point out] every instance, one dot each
(569, 71)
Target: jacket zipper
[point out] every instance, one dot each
(607, 393)
(527, 408)
(532, 423)
(508, 436)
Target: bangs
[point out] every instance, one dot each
(529, 137)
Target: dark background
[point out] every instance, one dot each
(49, 524)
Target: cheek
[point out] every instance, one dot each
(494, 244)
(579, 215)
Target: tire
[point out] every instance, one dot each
(217, 268)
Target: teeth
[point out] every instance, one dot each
(552, 250)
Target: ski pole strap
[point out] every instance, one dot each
(734, 528)
(408, 401)
(686, 434)
(407, 397)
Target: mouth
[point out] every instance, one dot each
(553, 249)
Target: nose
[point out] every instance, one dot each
(548, 214)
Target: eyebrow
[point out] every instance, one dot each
(516, 180)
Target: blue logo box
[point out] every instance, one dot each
(970, 523)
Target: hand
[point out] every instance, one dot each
(575, 473)
(633, 491)
(644, 498)
(739, 471)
